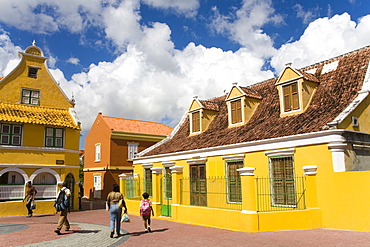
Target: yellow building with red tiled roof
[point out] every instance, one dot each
(288, 153)
(39, 136)
(110, 148)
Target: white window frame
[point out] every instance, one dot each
(12, 137)
(132, 150)
(30, 98)
(97, 185)
(97, 152)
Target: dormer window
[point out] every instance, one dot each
(32, 72)
(236, 111)
(195, 120)
(30, 97)
(201, 113)
(241, 104)
(296, 89)
(291, 98)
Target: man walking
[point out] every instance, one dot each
(62, 204)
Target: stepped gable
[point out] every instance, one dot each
(337, 89)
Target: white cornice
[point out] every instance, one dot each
(315, 138)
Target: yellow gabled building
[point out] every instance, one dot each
(288, 153)
(39, 136)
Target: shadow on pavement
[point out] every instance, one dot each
(143, 232)
(86, 231)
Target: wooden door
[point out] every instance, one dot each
(198, 185)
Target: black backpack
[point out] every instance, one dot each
(62, 202)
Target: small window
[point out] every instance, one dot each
(11, 134)
(97, 152)
(30, 97)
(290, 93)
(195, 121)
(236, 111)
(132, 150)
(148, 181)
(54, 137)
(32, 72)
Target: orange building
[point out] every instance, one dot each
(110, 148)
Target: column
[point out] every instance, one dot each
(122, 183)
(177, 175)
(156, 189)
(312, 203)
(249, 217)
(249, 199)
(338, 155)
(311, 190)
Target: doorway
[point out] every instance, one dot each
(71, 185)
(198, 185)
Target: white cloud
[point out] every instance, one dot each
(136, 86)
(122, 23)
(187, 8)
(8, 54)
(73, 60)
(306, 15)
(324, 38)
(245, 25)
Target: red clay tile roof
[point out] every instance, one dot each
(209, 105)
(309, 77)
(137, 126)
(337, 89)
(251, 93)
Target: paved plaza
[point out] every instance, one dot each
(91, 228)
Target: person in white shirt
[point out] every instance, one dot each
(63, 220)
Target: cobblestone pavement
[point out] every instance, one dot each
(88, 235)
(91, 228)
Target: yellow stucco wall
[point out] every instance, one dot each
(235, 92)
(362, 112)
(32, 155)
(51, 94)
(334, 200)
(194, 105)
(288, 74)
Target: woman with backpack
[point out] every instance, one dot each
(145, 210)
(115, 211)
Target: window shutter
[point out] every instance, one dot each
(286, 93)
(236, 111)
(290, 97)
(196, 121)
(295, 102)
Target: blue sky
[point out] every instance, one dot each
(147, 59)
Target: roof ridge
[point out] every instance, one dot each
(336, 57)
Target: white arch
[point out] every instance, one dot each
(14, 169)
(47, 170)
